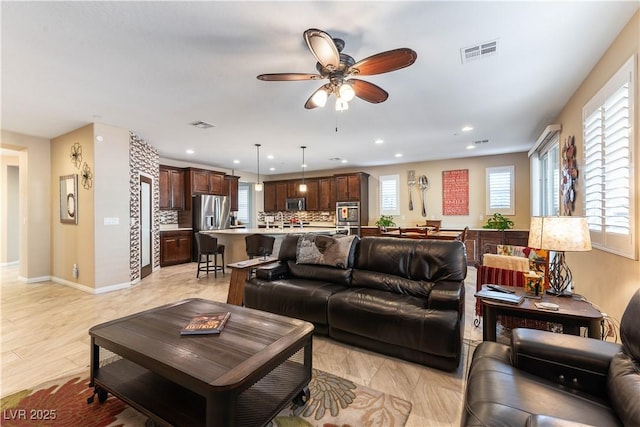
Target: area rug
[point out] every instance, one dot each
(334, 402)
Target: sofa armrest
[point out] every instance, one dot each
(274, 271)
(579, 363)
(447, 295)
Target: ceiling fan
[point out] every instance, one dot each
(340, 69)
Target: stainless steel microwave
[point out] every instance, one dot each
(296, 204)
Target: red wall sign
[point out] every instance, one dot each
(455, 192)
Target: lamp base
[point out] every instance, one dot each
(559, 294)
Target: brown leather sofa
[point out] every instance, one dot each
(548, 379)
(400, 297)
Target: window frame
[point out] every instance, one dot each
(394, 181)
(511, 209)
(614, 241)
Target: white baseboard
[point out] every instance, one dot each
(90, 290)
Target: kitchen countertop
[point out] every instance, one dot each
(273, 231)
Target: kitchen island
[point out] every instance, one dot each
(235, 247)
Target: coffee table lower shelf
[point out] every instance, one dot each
(150, 393)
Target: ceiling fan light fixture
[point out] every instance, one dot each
(341, 104)
(346, 92)
(320, 98)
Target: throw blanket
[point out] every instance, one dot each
(506, 262)
(324, 250)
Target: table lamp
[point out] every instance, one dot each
(559, 234)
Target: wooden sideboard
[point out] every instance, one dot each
(478, 239)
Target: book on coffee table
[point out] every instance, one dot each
(211, 323)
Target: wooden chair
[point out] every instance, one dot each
(414, 232)
(208, 246)
(463, 235)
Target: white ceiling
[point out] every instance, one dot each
(155, 67)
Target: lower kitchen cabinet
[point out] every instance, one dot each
(175, 247)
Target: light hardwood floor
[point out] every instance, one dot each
(44, 336)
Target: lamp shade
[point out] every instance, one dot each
(559, 233)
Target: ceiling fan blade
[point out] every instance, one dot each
(384, 62)
(323, 47)
(313, 102)
(285, 77)
(368, 91)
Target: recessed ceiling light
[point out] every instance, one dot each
(467, 128)
(190, 151)
(398, 155)
(344, 161)
(270, 157)
(470, 147)
(272, 169)
(236, 161)
(99, 138)
(379, 141)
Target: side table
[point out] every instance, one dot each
(239, 276)
(572, 314)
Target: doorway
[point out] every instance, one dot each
(146, 248)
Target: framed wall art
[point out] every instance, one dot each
(455, 192)
(69, 199)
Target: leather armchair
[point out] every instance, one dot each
(548, 379)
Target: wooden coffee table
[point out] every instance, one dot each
(572, 314)
(243, 377)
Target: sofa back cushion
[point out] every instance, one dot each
(416, 263)
(320, 272)
(623, 386)
(289, 247)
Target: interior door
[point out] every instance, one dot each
(146, 247)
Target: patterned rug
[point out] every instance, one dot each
(334, 402)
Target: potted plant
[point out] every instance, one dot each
(385, 221)
(498, 222)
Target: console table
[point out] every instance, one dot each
(573, 313)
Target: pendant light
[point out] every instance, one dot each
(303, 186)
(258, 186)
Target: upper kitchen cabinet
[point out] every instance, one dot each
(200, 181)
(171, 188)
(353, 187)
(312, 194)
(326, 194)
(275, 196)
(232, 190)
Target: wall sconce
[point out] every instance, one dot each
(258, 186)
(303, 186)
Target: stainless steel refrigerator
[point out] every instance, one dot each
(209, 213)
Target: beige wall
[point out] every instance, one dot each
(433, 170)
(35, 214)
(9, 209)
(111, 195)
(72, 243)
(606, 279)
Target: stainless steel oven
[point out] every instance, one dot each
(348, 214)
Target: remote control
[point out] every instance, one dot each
(499, 288)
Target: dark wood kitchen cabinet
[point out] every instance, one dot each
(270, 196)
(352, 187)
(202, 181)
(312, 194)
(485, 240)
(232, 191)
(326, 194)
(171, 188)
(175, 247)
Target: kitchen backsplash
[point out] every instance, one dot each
(168, 217)
(304, 216)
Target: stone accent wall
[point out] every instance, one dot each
(143, 160)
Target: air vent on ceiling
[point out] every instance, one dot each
(482, 50)
(201, 125)
(481, 141)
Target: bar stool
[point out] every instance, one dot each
(259, 245)
(207, 246)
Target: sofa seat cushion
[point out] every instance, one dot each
(300, 298)
(319, 272)
(396, 319)
(499, 394)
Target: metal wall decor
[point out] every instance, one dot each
(85, 173)
(87, 176)
(76, 155)
(569, 175)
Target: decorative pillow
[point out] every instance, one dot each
(511, 250)
(324, 250)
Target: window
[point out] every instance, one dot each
(500, 193)
(607, 121)
(550, 179)
(244, 203)
(389, 195)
